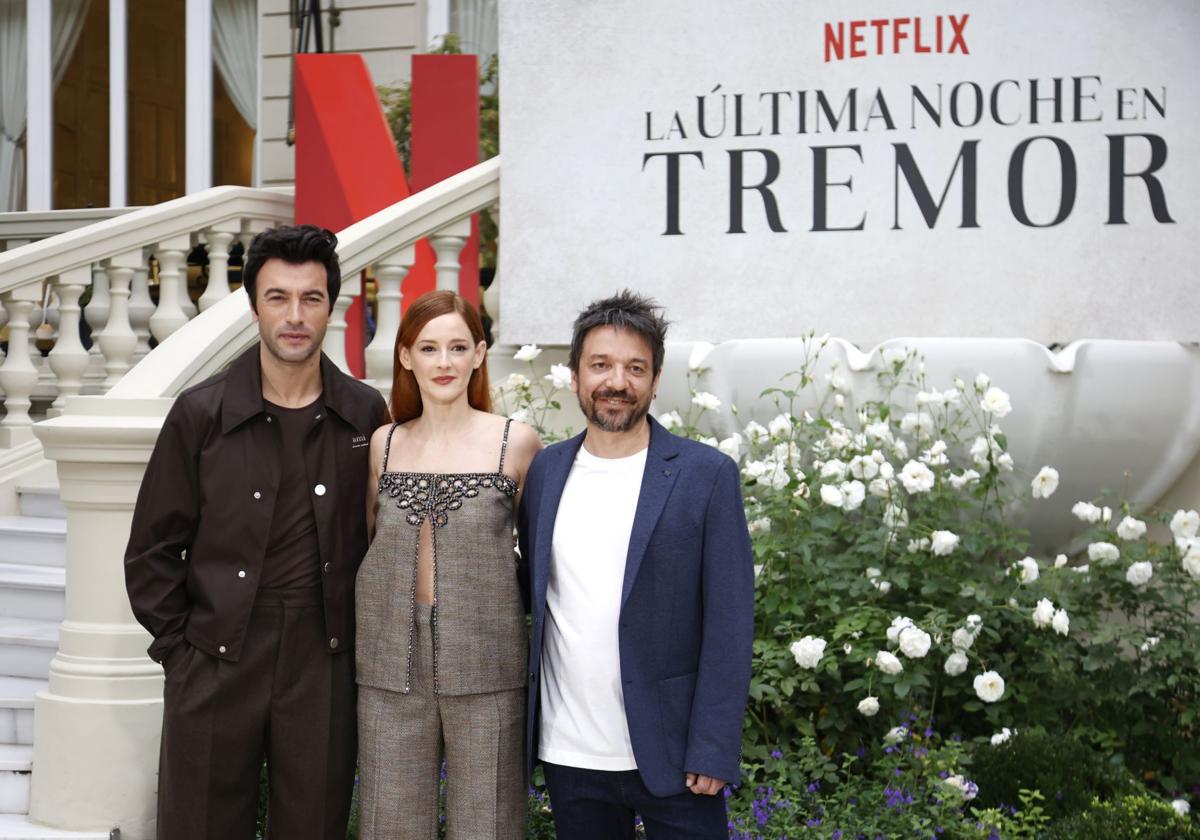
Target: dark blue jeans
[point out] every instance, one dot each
(600, 805)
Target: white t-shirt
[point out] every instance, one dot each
(583, 711)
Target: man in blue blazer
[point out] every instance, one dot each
(639, 574)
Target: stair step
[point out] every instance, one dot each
(27, 645)
(42, 501)
(32, 591)
(16, 765)
(33, 540)
(17, 696)
(18, 827)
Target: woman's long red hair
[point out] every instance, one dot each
(406, 396)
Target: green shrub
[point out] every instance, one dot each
(1136, 817)
(1067, 772)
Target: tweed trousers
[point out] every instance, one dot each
(403, 737)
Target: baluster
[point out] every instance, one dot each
(69, 359)
(18, 376)
(448, 244)
(335, 336)
(219, 239)
(389, 276)
(172, 287)
(491, 295)
(117, 339)
(141, 308)
(45, 316)
(96, 313)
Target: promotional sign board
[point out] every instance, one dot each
(868, 169)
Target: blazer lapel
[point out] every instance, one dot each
(657, 481)
(556, 479)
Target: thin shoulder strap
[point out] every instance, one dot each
(387, 447)
(504, 445)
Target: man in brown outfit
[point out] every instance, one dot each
(247, 534)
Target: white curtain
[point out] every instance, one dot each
(12, 103)
(235, 51)
(477, 26)
(67, 24)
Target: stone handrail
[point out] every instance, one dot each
(21, 228)
(44, 281)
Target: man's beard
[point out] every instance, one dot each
(614, 420)
(280, 351)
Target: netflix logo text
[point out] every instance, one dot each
(894, 36)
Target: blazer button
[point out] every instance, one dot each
(241, 573)
(221, 649)
(257, 494)
(270, 419)
(333, 643)
(319, 489)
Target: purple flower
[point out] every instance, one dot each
(776, 754)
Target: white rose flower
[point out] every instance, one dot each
(758, 567)
(1061, 622)
(1103, 551)
(1002, 736)
(755, 470)
(1045, 483)
(559, 376)
(962, 639)
(894, 516)
(1081, 569)
(873, 573)
(1130, 528)
(838, 439)
(1150, 643)
(982, 382)
(755, 433)
(916, 477)
(868, 706)
(914, 642)
(781, 426)
(880, 488)
(930, 398)
(916, 424)
(1191, 563)
(837, 381)
(853, 494)
(832, 496)
(895, 735)
(956, 663)
(732, 446)
(671, 420)
(989, 686)
(808, 651)
(1060, 560)
(1139, 574)
(848, 648)
(706, 401)
(974, 622)
(879, 431)
(996, 403)
(1181, 806)
(864, 467)
(1027, 571)
(521, 415)
(888, 663)
(527, 353)
(943, 542)
(968, 789)
(708, 441)
(918, 545)
(958, 482)
(884, 586)
(1043, 613)
(1004, 461)
(1185, 524)
(899, 451)
(762, 525)
(1105, 514)
(979, 451)
(516, 380)
(833, 470)
(898, 624)
(700, 351)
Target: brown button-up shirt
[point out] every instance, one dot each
(203, 514)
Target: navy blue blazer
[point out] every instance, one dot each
(687, 606)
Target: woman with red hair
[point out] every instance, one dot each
(441, 649)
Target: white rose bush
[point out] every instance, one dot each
(904, 623)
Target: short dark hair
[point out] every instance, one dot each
(295, 244)
(626, 310)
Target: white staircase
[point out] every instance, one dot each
(33, 572)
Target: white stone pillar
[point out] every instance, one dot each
(18, 376)
(68, 360)
(141, 307)
(117, 340)
(96, 313)
(118, 76)
(198, 96)
(389, 275)
(448, 244)
(172, 287)
(39, 99)
(98, 722)
(219, 239)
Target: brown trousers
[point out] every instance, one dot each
(287, 699)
